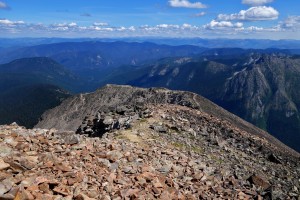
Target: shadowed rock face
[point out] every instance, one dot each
(83, 109)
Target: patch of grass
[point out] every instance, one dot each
(197, 149)
(192, 137)
(182, 146)
(120, 136)
(143, 120)
(128, 135)
(216, 159)
(179, 145)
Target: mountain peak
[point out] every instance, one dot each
(155, 141)
(72, 112)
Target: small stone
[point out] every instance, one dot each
(27, 182)
(114, 155)
(40, 179)
(108, 120)
(159, 128)
(45, 188)
(165, 169)
(114, 166)
(127, 170)
(63, 167)
(83, 197)
(27, 164)
(5, 150)
(259, 182)
(141, 180)
(155, 190)
(104, 162)
(14, 124)
(33, 188)
(3, 165)
(11, 141)
(24, 195)
(69, 138)
(61, 189)
(7, 197)
(16, 167)
(5, 186)
(157, 183)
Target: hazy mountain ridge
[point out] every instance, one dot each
(36, 70)
(202, 42)
(101, 54)
(92, 61)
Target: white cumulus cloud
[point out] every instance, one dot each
(186, 4)
(256, 2)
(167, 26)
(223, 24)
(258, 13)
(10, 23)
(100, 24)
(72, 24)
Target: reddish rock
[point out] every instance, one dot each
(62, 189)
(259, 182)
(3, 165)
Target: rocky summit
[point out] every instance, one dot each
(122, 142)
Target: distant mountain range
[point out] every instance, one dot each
(94, 60)
(201, 42)
(257, 85)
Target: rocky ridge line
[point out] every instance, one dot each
(75, 110)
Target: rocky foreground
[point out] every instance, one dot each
(157, 152)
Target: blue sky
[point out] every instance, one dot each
(271, 19)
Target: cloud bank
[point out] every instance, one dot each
(290, 27)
